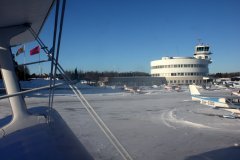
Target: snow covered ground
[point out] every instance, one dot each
(157, 124)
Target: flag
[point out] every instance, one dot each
(20, 50)
(35, 50)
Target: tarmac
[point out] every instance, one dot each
(157, 124)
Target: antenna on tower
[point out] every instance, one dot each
(199, 40)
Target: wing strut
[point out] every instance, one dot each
(55, 66)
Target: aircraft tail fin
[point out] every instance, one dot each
(194, 90)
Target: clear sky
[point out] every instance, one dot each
(125, 35)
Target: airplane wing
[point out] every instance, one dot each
(19, 12)
(195, 92)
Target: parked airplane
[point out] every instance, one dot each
(236, 93)
(172, 87)
(236, 84)
(231, 102)
(131, 89)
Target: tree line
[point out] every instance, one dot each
(23, 73)
(226, 75)
(97, 75)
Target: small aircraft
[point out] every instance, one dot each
(172, 88)
(231, 102)
(236, 93)
(131, 89)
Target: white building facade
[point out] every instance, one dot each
(183, 70)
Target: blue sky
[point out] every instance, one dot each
(125, 35)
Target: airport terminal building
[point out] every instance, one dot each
(183, 70)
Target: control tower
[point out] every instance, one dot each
(202, 52)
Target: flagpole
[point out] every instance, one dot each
(39, 65)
